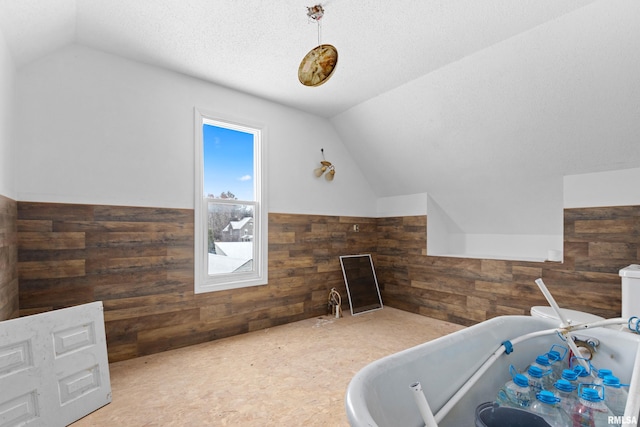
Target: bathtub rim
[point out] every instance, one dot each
(498, 329)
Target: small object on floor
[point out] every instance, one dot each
(335, 303)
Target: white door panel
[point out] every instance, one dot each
(53, 367)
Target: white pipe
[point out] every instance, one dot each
(552, 302)
(597, 324)
(564, 323)
(480, 372)
(565, 329)
(632, 408)
(423, 405)
(496, 354)
(467, 385)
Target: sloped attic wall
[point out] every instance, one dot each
(7, 77)
(96, 128)
(8, 207)
(491, 136)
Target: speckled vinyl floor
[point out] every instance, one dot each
(290, 375)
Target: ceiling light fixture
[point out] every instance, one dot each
(317, 65)
(326, 167)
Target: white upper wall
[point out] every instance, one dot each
(7, 104)
(99, 129)
(490, 136)
(405, 205)
(614, 188)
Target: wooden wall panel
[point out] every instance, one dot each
(8, 258)
(598, 242)
(139, 262)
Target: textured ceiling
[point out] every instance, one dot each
(485, 105)
(491, 136)
(256, 45)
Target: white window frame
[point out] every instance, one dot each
(259, 276)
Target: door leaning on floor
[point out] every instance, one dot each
(54, 368)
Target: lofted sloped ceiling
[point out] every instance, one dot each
(485, 105)
(490, 136)
(256, 45)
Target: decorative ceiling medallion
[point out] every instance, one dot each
(318, 65)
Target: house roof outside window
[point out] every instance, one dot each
(237, 225)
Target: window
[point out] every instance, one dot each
(230, 214)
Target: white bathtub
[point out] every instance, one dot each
(380, 393)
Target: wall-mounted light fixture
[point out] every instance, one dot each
(326, 167)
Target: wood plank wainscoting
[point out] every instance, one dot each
(8, 258)
(139, 262)
(598, 242)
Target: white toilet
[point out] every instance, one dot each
(630, 291)
(630, 301)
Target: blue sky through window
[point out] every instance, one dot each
(228, 162)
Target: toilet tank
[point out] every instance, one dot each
(630, 291)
